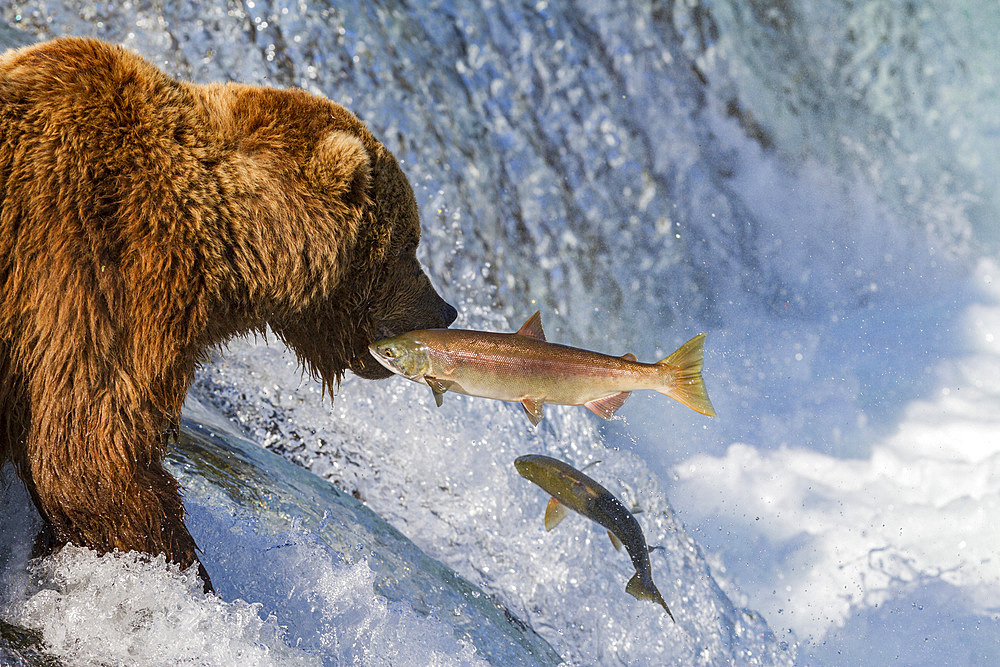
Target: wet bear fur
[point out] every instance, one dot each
(145, 221)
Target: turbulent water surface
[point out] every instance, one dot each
(813, 184)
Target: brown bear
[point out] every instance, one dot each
(144, 221)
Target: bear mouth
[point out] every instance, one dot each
(367, 367)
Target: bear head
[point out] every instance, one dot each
(361, 247)
(400, 298)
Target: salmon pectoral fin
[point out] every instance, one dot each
(687, 386)
(533, 407)
(646, 590)
(606, 407)
(555, 512)
(615, 542)
(533, 327)
(438, 386)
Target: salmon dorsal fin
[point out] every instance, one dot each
(555, 512)
(533, 327)
(628, 356)
(605, 407)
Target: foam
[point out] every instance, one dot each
(820, 542)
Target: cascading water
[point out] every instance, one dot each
(813, 185)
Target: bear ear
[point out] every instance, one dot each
(342, 167)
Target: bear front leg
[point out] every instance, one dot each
(14, 424)
(93, 497)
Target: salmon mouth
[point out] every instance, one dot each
(368, 366)
(380, 358)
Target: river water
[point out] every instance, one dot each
(812, 184)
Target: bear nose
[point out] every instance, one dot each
(449, 313)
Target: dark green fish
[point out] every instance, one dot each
(571, 489)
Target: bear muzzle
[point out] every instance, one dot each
(438, 314)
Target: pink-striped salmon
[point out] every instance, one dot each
(524, 367)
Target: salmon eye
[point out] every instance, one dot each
(389, 352)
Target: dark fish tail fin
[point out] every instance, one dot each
(646, 590)
(688, 386)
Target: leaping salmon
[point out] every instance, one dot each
(524, 367)
(571, 489)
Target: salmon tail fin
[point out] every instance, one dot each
(646, 590)
(687, 385)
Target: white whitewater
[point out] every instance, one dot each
(814, 186)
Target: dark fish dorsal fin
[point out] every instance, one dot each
(533, 327)
(438, 386)
(615, 541)
(533, 407)
(607, 406)
(555, 512)
(628, 356)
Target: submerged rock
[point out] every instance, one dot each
(210, 460)
(21, 646)
(304, 573)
